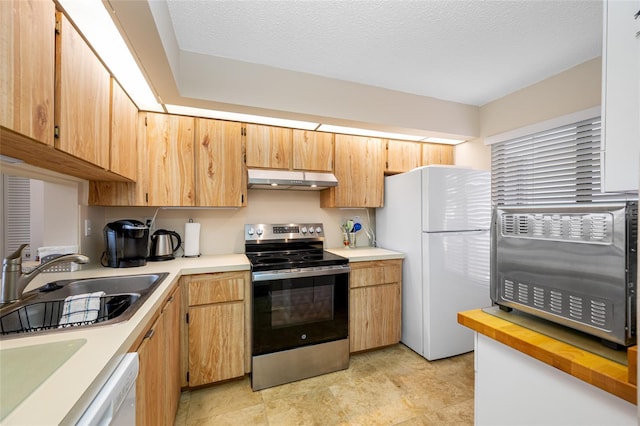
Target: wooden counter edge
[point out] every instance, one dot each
(590, 368)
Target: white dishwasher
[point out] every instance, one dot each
(115, 404)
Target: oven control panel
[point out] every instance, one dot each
(289, 231)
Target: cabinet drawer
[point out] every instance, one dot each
(375, 273)
(215, 288)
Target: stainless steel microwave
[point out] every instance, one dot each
(575, 265)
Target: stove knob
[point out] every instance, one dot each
(318, 230)
(259, 231)
(250, 231)
(304, 230)
(311, 230)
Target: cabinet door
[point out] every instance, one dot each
(220, 172)
(112, 194)
(171, 320)
(81, 98)
(126, 194)
(268, 146)
(205, 289)
(359, 168)
(216, 342)
(375, 272)
(150, 383)
(620, 100)
(312, 150)
(374, 316)
(437, 154)
(169, 149)
(402, 156)
(27, 67)
(123, 122)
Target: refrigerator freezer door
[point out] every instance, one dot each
(456, 278)
(455, 199)
(398, 226)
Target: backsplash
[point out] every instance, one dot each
(222, 230)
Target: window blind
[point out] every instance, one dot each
(17, 216)
(556, 166)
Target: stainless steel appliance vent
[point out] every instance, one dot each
(575, 227)
(594, 312)
(573, 264)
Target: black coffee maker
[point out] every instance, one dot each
(127, 243)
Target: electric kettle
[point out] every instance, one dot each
(162, 245)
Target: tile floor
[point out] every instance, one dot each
(390, 386)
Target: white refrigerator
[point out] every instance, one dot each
(439, 216)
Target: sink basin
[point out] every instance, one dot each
(40, 310)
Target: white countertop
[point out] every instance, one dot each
(64, 395)
(362, 254)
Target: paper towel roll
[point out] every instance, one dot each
(191, 239)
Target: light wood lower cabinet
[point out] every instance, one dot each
(375, 304)
(158, 383)
(216, 322)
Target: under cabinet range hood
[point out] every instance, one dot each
(290, 179)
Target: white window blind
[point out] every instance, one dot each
(17, 216)
(560, 165)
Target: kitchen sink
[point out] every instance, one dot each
(40, 310)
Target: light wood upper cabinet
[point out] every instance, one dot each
(81, 98)
(123, 122)
(312, 150)
(436, 154)
(375, 304)
(359, 168)
(221, 177)
(168, 146)
(268, 146)
(402, 156)
(27, 54)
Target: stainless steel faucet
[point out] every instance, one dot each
(14, 281)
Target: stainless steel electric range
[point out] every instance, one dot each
(300, 304)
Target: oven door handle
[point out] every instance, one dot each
(300, 273)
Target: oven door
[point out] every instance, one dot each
(301, 307)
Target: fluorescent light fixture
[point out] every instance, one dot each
(10, 160)
(94, 22)
(367, 132)
(443, 140)
(245, 118)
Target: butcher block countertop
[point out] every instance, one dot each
(610, 376)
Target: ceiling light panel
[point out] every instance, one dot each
(245, 118)
(443, 140)
(367, 132)
(94, 22)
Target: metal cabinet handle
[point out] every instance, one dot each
(150, 333)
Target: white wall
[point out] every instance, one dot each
(575, 89)
(222, 230)
(474, 154)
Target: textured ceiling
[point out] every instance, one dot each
(464, 51)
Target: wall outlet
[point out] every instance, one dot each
(147, 221)
(87, 228)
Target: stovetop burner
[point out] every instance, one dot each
(290, 246)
